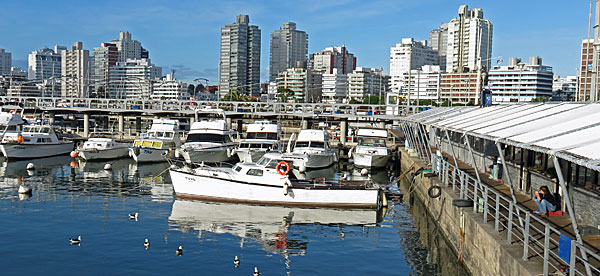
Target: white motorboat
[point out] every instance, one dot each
(371, 150)
(102, 148)
(313, 147)
(158, 144)
(261, 137)
(209, 140)
(267, 182)
(34, 141)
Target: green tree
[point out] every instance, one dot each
(283, 94)
(190, 89)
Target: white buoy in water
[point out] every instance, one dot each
(256, 273)
(31, 166)
(25, 189)
(179, 251)
(364, 171)
(236, 261)
(107, 167)
(146, 244)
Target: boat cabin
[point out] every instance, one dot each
(32, 134)
(372, 137)
(312, 138)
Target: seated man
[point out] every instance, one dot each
(545, 201)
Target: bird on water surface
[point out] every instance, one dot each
(236, 261)
(133, 216)
(179, 251)
(75, 240)
(256, 273)
(146, 244)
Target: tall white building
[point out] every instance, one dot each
(129, 48)
(133, 79)
(5, 62)
(75, 71)
(367, 82)
(288, 46)
(421, 84)
(45, 63)
(438, 40)
(239, 65)
(168, 88)
(469, 39)
(333, 58)
(520, 82)
(409, 55)
(335, 87)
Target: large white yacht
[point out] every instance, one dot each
(312, 146)
(267, 182)
(209, 140)
(34, 141)
(371, 150)
(261, 137)
(99, 147)
(158, 144)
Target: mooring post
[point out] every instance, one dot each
(343, 131)
(86, 125)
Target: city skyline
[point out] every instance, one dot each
(185, 36)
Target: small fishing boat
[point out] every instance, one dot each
(34, 141)
(101, 148)
(312, 150)
(268, 182)
(371, 151)
(158, 144)
(261, 137)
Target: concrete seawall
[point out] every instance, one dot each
(482, 250)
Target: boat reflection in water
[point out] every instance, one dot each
(267, 225)
(155, 177)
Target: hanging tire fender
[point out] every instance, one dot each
(434, 191)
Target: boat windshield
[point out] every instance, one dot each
(261, 135)
(206, 137)
(371, 141)
(312, 144)
(302, 144)
(253, 146)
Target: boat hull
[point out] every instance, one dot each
(103, 154)
(30, 151)
(212, 155)
(370, 160)
(149, 155)
(193, 186)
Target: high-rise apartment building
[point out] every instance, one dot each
(299, 85)
(105, 57)
(406, 56)
(335, 87)
(133, 79)
(520, 82)
(333, 58)
(75, 71)
(469, 41)
(367, 82)
(586, 73)
(239, 65)
(129, 48)
(438, 40)
(288, 46)
(5, 62)
(45, 63)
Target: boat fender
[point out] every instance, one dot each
(73, 154)
(286, 189)
(302, 167)
(434, 191)
(20, 139)
(30, 166)
(462, 202)
(282, 170)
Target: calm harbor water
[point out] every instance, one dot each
(94, 203)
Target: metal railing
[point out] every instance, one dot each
(539, 239)
(188, 106)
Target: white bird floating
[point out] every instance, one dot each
(31, 166)
(25, 189)
(108, 167)
(179, 251)
(133, 216)
(256, 273)
(236, 261)
(75, 240)
(146, 244)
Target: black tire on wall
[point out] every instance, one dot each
(462, 203)
(434, 191)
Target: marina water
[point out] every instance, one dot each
(72, 199)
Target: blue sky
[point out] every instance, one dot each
(184, 35)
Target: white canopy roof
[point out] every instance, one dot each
(569, 130)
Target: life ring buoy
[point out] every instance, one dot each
(20, 139)
(279, 169)
(12, 111)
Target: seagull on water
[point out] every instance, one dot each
(179, 251)
(236, 261)
(133, 216)
(146, 244)
(256, 273)
(75, 240)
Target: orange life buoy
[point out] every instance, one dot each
(20, 139)
(13, 111)
(279, 170)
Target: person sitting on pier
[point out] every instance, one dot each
(545, 201)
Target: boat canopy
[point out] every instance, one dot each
(368, 132)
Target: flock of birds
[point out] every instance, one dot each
(178, 251)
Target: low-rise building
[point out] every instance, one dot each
(461, 88)
(421, 84)
(133, 79)
(365, 81)
(298, 85)
(335, 87)
(564, 89)
(521, 82)
(168, 88)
